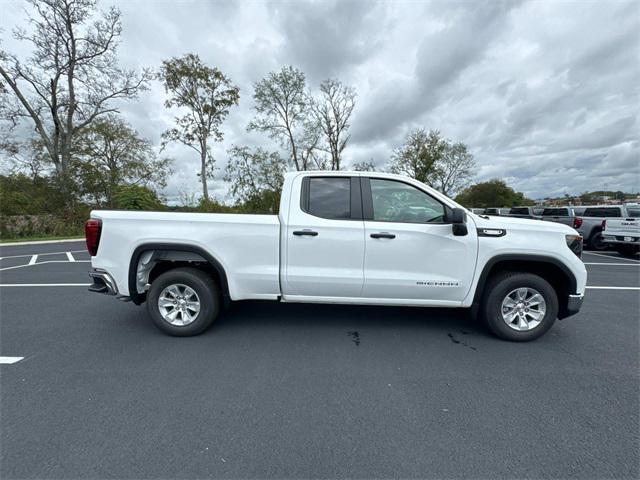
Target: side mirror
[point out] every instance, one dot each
(458, 219)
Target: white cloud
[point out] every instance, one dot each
(545, 93)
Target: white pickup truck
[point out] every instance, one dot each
(341, 237)
(623, 234)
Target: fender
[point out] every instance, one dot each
(138, 298)
(573, 284)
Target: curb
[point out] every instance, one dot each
(41, 242)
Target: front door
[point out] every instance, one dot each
(410, 250)
(324, 240)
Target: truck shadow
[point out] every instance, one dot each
(259, 314)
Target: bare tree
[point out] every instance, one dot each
(332, 111)
(283, 112)
(207, 95)
(72, 76)
(364, 166)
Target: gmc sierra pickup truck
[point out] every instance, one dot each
(623, 234)
(341, 237)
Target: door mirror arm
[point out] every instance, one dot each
(458, 219)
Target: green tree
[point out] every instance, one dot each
(284, 112)
(494, 193)
(454, 169)
(136, 197)
(110, 154)
(71, 78)
(256, 178)
(207, 95)
(418, 156)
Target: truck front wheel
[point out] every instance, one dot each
(519, 306)
(183, 302)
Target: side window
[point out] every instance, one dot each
(398, 202)
(330, 197)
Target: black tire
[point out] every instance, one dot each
(628, 250)
(497, 290)
(208, 294)
(596, 242)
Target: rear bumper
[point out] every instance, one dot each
(619, 240)
(574, 304)
(102, 283)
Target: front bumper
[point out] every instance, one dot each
(574, 304)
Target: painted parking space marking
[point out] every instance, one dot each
(614, 264)
(9, 360)
(33, 260)
(612, 288)
(44, 284)
(42, 263)
(613, 257)
(42, 254)
(70, 257)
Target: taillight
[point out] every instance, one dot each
(577, 222)
(92, 230)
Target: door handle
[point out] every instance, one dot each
(382, 235)
(309, 233)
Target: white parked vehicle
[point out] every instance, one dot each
(623, 234)
(341, 237)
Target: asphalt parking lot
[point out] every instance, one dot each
(278, 390)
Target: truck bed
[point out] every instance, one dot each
(247, 245)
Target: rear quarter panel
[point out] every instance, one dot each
(247, 246)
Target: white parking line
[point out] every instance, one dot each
(42, 254)
(9, 360)
(33, 260)
(42, 263)
(44, 284)
(611, 256)
(70, 257)
(613, 288)
(614, 264)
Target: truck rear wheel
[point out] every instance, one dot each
(596, 242)
(519, 306)
(183, 302)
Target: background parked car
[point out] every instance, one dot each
(590, 223)
(566, 215)
(478, 211)
(623, 234)
(500, 212)
(525, 212)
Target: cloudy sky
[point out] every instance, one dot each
(545, 93)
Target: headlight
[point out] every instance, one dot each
(574, 242)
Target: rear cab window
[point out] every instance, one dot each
(334, 198)
(519, 211)
(555, 212)
(602, 212)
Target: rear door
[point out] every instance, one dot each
(411, 253)
(324, 242)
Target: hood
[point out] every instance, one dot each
(521, 224)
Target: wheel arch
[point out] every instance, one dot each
(188, 253)
(551, 269)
